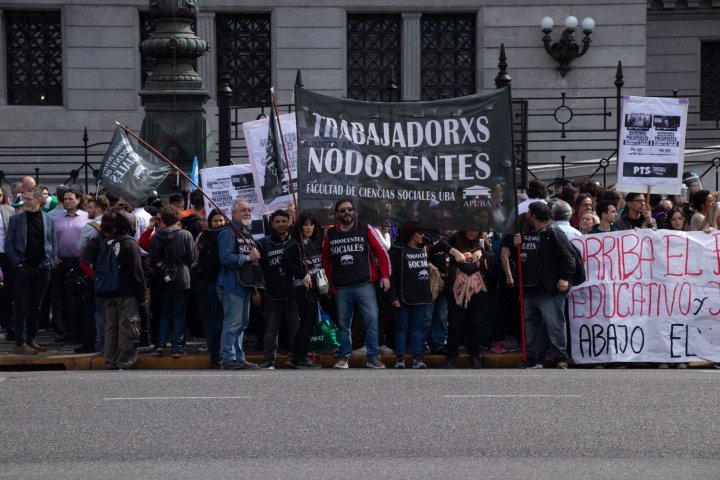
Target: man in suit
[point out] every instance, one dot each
(31, 247)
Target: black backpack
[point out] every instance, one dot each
(107, 270)
(191, 223)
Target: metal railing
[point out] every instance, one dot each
(73, 163)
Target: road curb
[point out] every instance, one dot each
(55, 361)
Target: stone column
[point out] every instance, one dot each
(174, 95)
(410, 57)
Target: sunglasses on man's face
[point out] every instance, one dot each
(346, 210)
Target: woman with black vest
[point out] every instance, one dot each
(410, 292)
(467, 295)
(302, 262)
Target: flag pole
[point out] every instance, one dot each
(190, 180)
(285, 154)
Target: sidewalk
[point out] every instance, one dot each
(60, 356)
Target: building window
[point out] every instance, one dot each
(243, 50)
(34, 58)
(373, 57)
(448, 56)
(710, 81)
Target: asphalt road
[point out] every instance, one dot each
(360, 424)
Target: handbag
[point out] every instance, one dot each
(323, 338)
(436, 281)
(250, 275)
(321, 282)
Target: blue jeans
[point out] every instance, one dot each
(173, 309)
(236, 314)
(435, 323)
(409, 319)
(364, 297)
(545, 313)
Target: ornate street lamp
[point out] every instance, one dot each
(566, 50)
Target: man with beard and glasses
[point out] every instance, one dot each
(352, 255)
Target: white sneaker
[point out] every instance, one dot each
(360, 351)
(385, 350)
(377, 364)
(342, 364)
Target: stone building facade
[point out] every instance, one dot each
(101, 69)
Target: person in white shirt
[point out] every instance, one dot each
(561, 213)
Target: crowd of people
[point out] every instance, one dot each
(119, 278)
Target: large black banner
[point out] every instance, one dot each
(447, 163)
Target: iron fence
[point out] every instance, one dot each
(73, 163)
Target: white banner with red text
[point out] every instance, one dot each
(650, 296)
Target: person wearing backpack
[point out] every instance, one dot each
(548, 265)
(119, 280)
(204, 274)
(172, 252)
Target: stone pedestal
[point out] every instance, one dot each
(174, 95)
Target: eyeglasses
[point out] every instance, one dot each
(346, 210)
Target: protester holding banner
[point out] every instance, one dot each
(346, 257)
(636, 213)
(547, 266)
(467, 295)
(302, 263)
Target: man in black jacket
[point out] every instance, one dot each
(279, 300)
(547, 267)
